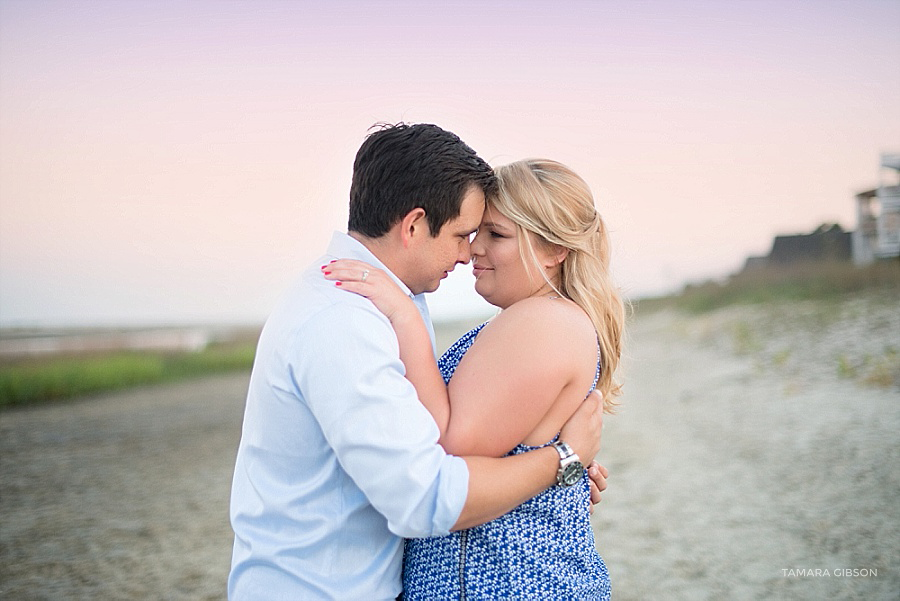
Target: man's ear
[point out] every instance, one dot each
(413, 225)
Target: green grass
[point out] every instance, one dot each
(57, 378)
(811, 281)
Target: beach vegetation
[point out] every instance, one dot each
(845, 367)
(883, 370)
(33, 380)
(781, 358)
(823, 281)
(744, 339)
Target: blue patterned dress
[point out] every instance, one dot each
(542, 549)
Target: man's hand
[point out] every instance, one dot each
(582, 431)
(597, 475)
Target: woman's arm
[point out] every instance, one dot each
(473, 434)
(412, 333)
(512, 377)
(523, 377)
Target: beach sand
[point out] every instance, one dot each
(752, 443)
(756, 455)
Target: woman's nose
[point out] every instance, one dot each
(475, 248)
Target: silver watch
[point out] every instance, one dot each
(570, 467)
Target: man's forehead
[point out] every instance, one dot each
(473, 202)
(470, 212)
(469, 222)
(463, 225)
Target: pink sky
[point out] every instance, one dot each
(182, 161)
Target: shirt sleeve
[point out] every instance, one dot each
(386, 441)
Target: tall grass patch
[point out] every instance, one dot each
(55, 378)
(808, 281)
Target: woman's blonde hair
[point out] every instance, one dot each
(552, 202)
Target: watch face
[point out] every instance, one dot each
(572, 473)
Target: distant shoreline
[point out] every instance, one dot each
(36, 342)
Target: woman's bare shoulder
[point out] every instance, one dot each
(543, 320)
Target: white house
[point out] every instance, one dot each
(877, 234)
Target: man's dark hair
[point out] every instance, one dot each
(403, 167)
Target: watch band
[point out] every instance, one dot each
(564, 450)
(570, 466)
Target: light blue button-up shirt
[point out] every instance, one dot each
(338, 459)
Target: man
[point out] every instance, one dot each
(338, 459)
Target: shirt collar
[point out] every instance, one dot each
(344, 246)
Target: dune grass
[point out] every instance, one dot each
(810, 281)
(56, 378)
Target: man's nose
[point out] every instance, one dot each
(465, 254)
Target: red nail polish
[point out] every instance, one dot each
(337, 283)
(327, 272)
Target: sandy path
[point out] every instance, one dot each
(739, 453)
(120, 497)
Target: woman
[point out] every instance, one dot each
(541, 255)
